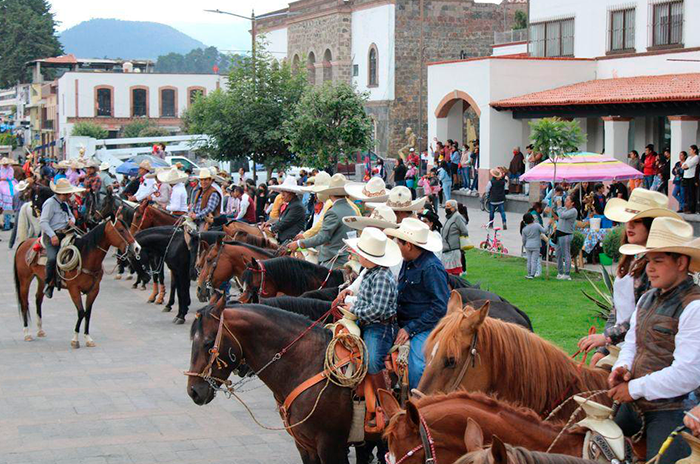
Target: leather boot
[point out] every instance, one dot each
(161, 295)
(152, 298)
(375, 420)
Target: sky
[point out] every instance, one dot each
(222, 31)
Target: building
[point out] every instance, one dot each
(13, 109)
(376, 45)
(628, 72)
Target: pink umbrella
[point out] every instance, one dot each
(582, 167)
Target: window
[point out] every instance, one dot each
(667, 26)
(104, 102)
(373, 79)
(295, 63)
(552, 38)
(167, 103)
(195, 92)
(139, 103)
(621, 30)
(355, 70)
(311, 68)
(327, 66)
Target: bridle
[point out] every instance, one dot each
(126, 242)
(259, 291)
(469, 362)
(214, 264)
(427, 445)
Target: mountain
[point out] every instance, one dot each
(114, 38)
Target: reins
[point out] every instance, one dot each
(427, 444)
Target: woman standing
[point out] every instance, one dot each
(445, 180)
(678, 188)
(261, 202)
(566, 220)
(455, 227)
(8, 187)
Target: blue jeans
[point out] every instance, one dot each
(378, 338)
(475, 180)
(465, 172)
(648, 180)
(501, 208)
(8, 222)
(447, 190)
(659, 425)
(416, 359)
(679, 195)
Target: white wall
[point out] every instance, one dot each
(649, 65)
(277, 42)
(510, 49)
(374, 26)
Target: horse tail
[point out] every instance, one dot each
(16, 277)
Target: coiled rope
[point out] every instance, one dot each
(348, 377)
(68, 259)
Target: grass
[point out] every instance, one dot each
(558, 309)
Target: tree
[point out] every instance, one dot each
(28, 33)
(199, 60)
(134, 128)
(8, 139)
(154, 131)
(328, 125)
(89, 129)
(520, 20)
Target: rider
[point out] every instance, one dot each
(246, 211)
(402, 202)
(56, 216)
(178, 195)
(146, 185)
(658, 369)
(206, 200)
(423, 290)
(291, 220)
(161, 190)
(92, 181)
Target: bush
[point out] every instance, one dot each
(154, 131)
(577, 243)
(611, 242)
(8, 139)
(134, 129)
(89, 129)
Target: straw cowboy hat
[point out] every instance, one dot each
(204, 173)
(669, 235)
(373, 190)
(335, 186)
(400, 199)
(382, 217)
(62, 186)
(145, 164)
(417, 232)
(374, 246)
(288, 185)
(172, 176)
(93, 163)
(22, 185)
(497, 173)
(219, 176)
(104, 166)
(320, 179)
(154, 174)
(643, 203)
(5, 161)
(63, 164)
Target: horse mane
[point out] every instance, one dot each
(323, 294)
(297, 270)
(262, 242)
(456, 282)
(519, 354)
(312, 309)
(90, 240)
(263, 251)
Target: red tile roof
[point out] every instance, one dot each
(63, 59)
(640, 89)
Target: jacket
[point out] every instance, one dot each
(291, 221)
(498, 191)
(454, 228)
(423, 294)
(531, 236)
(329, 240)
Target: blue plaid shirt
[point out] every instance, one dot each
(376, 300)
(211, 206)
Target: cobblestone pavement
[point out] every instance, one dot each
(123, 401)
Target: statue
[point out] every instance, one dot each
(412, 139)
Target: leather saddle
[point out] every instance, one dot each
(604, 441)
(37, 252)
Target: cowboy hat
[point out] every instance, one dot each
(22, 185)
(288, 185)
(63, 164)
(643, 203)
(669, 235)
(320, 179)
(152, 175)
(418, 233)
(374, 246)
(145, 164)
(400, 199)
(172, 176)
(62, 186)
(204, 173)
(5, 161)
(382, 217)
(104, 166)
(92, 163)
(497, 173)
(334, 187)
(373, 190)
(219, 176)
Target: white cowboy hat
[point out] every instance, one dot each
(104, 166)
(62, 186)
(320, 179)
(335, 186)
(374, 190)
(145, 164)
(172, 176)
(204, 173)
(417, 232)
(288, 185)
(63, 164)
(374, 246)
(5, 161)
(400, 199)
(669, 235)
(382, 217)
(22, 185)
(92, 163)
(643, 203)
(154, 174)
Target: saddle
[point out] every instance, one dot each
(37, 252)
(604, 441)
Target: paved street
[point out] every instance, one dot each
(123, 401)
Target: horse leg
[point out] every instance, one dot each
(183, 290)
(23, 296)
(161, 294)
(332, 451)
(152, 298)
(39, 300)
(88, 312)
(173, 290)
(307, 457)
(78, 302)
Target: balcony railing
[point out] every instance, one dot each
(516, 35)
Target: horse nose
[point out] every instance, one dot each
(137, 248)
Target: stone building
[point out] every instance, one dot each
(375, 45)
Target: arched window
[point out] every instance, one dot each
(327, 66)
(295, 63)
(104, 104)
(311, 68)
(168, 102)
(372, 79)
(139, 102)
(194, 92)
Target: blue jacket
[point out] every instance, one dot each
(423, 294)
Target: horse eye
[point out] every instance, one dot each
(209, 344)
(449, 363)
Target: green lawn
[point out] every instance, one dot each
(558, 310)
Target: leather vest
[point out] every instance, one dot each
(250, 213)
(498, 191)
(657, 326)
(202, 199)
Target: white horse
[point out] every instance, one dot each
(27, 224)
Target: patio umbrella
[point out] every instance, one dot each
(131, 166)
(582, 167)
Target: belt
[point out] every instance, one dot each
(388, 321)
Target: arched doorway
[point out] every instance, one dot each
(311, 68)
(295, 63)
(457, 118)
(327, 66)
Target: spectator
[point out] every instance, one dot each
(650, 167)
(533, 159)
(465, 167)
(618, 189)
(516, 169)
(398, 176)
(380, 170)
(411, 175)
(663, 164)
(599, 200)
(475, 166)
(532, 242)
(431, 187)
(634, 161)
(455, 227)
(566, 219)
(455, 159)
(496, 190)
(678, 187)
(241, 177)
(690, 181)
(445, 179)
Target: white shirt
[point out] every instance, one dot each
(217, 187)
(623, 298)
(178, 198)
(147, 187)
(243, 208)
(692, 163)
(683, 375)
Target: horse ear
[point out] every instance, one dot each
(455, 303)
(255, 264)
(483, 312)
(498, 451)
(412, 413)
(473, 436)
(388, 403)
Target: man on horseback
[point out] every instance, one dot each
(423, 290)
(56, 217)
(93, 184)
(146, 185)
(161, 190)
(292, 218)
(206, 199)
(178, 194)
(657, 373)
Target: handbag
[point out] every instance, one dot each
(465, 243)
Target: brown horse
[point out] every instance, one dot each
(251, 229)
(84, 280)
(149, 215)
(467, 350)
(260, 242)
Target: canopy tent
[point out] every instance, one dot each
(581, 167)
(131, 166)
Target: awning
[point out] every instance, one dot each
(581, 167)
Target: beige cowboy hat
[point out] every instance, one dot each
(218, 175)
(334, 187)
(288, 185)
(400, 199)
(417, 232)
(22, 185)
(63, 164)
(172, 176)
(669, 235)
(497, 173)
(154, 174)
(374, 190)
(145, 164)
(374, 246)
(320, 179)
(643, 203)
(5, 161)
(204, 173)
(62, 186)
(382, 217)
(104, 166)
(93, 163)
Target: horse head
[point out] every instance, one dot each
(206, 266)
(251, 279)
(477, 453)
(119, 236)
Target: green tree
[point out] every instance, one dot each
(8, 139)
(134, 128)
(27, 32)
(199, 60)
(520, 20)
(89, 129)
(154, 131)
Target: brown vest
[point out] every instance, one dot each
(202, 199)
(657, 326)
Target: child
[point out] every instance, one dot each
(532, 241)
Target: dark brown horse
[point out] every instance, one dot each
(149, 215)
(260, 242)
(510, 362)
(84, 280)
(251, 229)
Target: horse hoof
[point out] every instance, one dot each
(179, 320)
(41, 333)
(118, 277)
(143, 288)
(90, 344)
(135, 286)
(75, 344)
(151, 300)
(167, 309)
(129, 277)
(28, 338)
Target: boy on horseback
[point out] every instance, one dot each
(658, 369)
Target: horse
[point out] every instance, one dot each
(498, 303)
(239, 226)
(470, 351)
(149, 215)
(85, 279)
(260, 242)
(288, 276)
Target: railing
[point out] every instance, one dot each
(516, 35)
(47, 124)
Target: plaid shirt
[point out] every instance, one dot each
(93, 183)
(212, 204)
(376, 300)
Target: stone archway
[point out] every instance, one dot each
(457, 117)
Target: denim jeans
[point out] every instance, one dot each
(679, 195)
(416, 359)
(8, 222)
(492, 211)
(648, 180)
(475, 180)
(659, 425)
(466, 176)
(378, 338)
(447, 190)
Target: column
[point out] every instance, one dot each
(616, 136)
(684, 130)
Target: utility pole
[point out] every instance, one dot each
(252, 64)
(420, 80)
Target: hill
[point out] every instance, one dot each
(114, 38)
